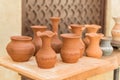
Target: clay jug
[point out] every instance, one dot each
(93, 49)
(106, 46)
(56, 42)
(46, 56)
(36, 39)
(90, 29)
(116, 29)
(78, 29)
(70, 51)
(20, 48)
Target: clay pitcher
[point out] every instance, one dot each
(20, 48)
(70, 51)
(93, 49)
(78, 29)
(56, 42)
(36, 39)
(90, 29)
(116, 29)
(46, 56)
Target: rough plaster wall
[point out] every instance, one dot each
(10, 24)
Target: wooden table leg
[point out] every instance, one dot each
(24, 77)
(116, 74)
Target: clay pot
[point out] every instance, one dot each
(36, 39)
(106, 46)
(56, 42)
(116, 29)
(46, 56)
(78, 29)
(90, 29)
(70, 51)
(20, 48)
(93, 49)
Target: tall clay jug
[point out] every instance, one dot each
(93, 49)
(20, 48)
(78, 29)
(116, 29)
(90, 29)
(70, 51)
(46, 56)
(56, 42)
(36, 39)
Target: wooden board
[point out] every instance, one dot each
(83, 69)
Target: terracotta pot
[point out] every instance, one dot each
(93, 49)
(106, 46)
(36, 39)
(46, 56)
(70, 51)
(78, 29)
(20, 48)
(90, 29)
(116, 29)
(56, 42)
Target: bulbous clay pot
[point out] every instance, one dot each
(20, 48)
(46, 56)
(36, 39)
(90, 29)
(78, 29)
(116, 29)
(70, 51)
(106, 46)
(56, 42)
(93, 49)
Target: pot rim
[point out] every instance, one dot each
(22, 38)
(70, 35)
(107, 38)
(38, 26)
(92, 26)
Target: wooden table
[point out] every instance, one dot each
(84, 68)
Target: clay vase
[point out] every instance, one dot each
(78, 29)
(90, 29)
(106, 46)
(36, 39)
(20, 48)
(70, 51)
(56, 42)
(93, 49)
(116, 29)
(46, 56)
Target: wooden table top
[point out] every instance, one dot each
(84, 68)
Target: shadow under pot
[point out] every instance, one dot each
(70, 51)
(20, 48)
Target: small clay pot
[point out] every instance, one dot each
(36, 39)
(56, 42)
(93, 28)
(93, 49)
(46, 56)
(20, 48)
(106, 46)
(70, 51)
(116, 30)
(78, 29)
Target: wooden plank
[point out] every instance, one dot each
(83, 69)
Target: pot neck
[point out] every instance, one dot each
(46, 42)
(117, 20)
